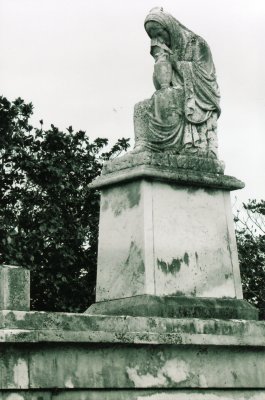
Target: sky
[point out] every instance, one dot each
(86, 63)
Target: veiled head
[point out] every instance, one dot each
(156, 31)
(162, 26)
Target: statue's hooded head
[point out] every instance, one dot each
(162, 26)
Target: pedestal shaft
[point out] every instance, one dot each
(164, 239)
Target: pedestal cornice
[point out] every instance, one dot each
(179, 169)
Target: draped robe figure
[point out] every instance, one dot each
(181, 116)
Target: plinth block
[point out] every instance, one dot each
(166, 239)
(176, 307)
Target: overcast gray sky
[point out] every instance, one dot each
(86, 63)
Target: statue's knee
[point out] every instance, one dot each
(141, 107)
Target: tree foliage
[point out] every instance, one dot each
(250, 232)
(49, 216)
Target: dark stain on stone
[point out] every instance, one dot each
(135, 258)
(228, 241)
(234, 375)
(118, 210)
(170, 268)
(105, 205)
(210, 191)
(133, 193)
(179, 293)
(173, 186)
(162, 265)
(127, 197)
(197, 260)
(192, 189)
(174, 266)
(186, 259)
(226, 276)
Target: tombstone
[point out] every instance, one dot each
(169, 322)
(167, 244)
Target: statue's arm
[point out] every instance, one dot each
(156, 83)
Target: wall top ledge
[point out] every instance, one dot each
(22, 326)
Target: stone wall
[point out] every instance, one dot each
(79, 356)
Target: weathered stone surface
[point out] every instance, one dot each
(22, 327)
(164, 160)
(182, 113)
(72, 365)
(179, 176)
(136, 395)
(163, 239)
(169, 395)
(78, 351)
(32, 395)
(14, 288)
(177, 307)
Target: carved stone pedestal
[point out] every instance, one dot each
(166, 235)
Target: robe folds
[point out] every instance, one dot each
(184, 115)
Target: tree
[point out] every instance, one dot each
(250, 232)
(49, 216)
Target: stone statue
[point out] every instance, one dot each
(181, 117)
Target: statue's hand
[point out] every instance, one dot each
(156, 83)
(173, 60)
